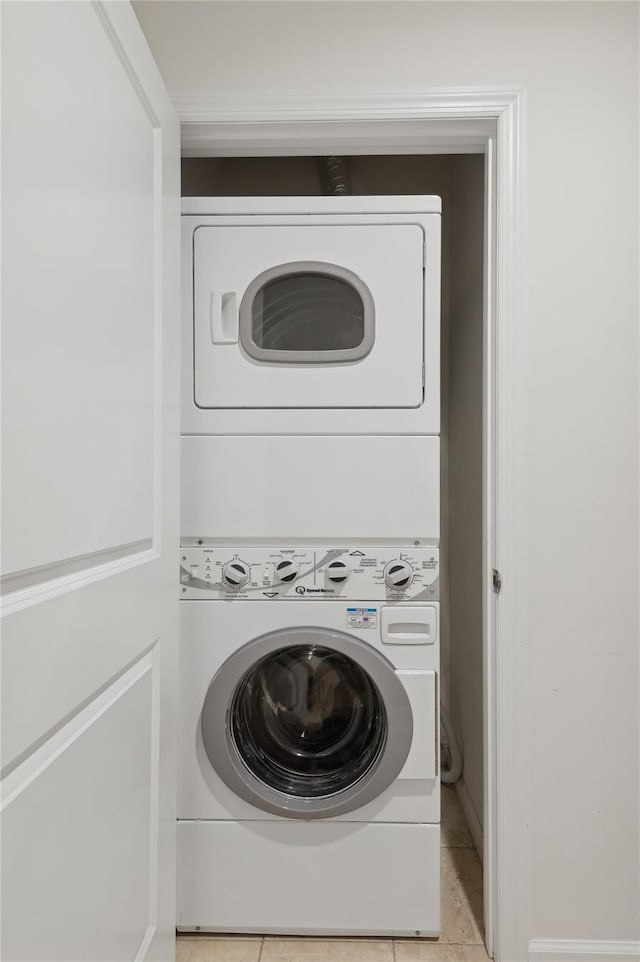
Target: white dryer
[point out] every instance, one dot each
(311, 315)
(308, 753)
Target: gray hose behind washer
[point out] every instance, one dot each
(453, 773)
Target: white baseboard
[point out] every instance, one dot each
(569, 950)
(147, 939)
(475, 826)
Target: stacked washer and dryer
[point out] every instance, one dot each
(309, 796)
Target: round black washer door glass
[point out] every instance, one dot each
(308, 721)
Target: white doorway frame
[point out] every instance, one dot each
(449, 121)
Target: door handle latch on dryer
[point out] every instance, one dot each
(224, 317)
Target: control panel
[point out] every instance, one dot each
(213, 572)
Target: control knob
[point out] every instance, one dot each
(398, 574)
(235, 574)
(287, 570)
(337, 571)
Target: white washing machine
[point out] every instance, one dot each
(311, 315)
(308, 756)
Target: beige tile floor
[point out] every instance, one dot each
(460, 941)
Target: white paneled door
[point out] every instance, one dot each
(90, 186)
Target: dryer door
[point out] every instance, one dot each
(318, 316)
(307, 723)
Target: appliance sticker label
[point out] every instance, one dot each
(362, 617)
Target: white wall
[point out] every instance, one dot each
(579, 65)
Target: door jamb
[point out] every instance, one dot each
(453, 120)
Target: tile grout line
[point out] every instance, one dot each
(261, 948)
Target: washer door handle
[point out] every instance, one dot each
(224, 317)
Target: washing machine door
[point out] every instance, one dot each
(307, 723)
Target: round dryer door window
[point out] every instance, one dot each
(307, 312)
(307, 722)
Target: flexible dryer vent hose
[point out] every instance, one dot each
(335, 175)
(453, 773)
